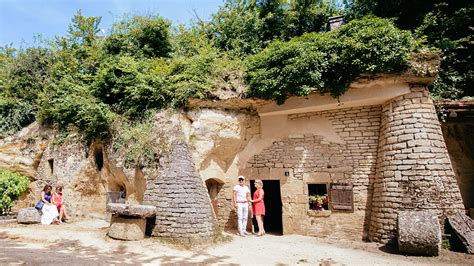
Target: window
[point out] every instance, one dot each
(318, 197)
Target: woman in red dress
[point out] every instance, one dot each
(259, 205)
(58, 201)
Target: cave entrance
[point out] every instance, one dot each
(99, 158)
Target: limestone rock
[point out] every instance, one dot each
(28, 216)
(463, 227)
(126, 228)
(21, 154)
(419, 233)
(133, 210)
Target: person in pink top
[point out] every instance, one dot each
(58, 201)
(259, 205)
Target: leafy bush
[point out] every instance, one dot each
(14, 114)
(29, 74)
(147, 36)
(71, 105)
(195, 76)
(285, 69)
(328, 62)
(12, 185)
(124, 83)
(134, 143)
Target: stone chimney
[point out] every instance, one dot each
(335, 22)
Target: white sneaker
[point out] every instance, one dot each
(241, 234)
(247, 233)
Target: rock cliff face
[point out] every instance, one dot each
(22, 152)
(201, 144)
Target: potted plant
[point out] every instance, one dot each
(318, 202)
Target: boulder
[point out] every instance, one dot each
(133, 210)
(127, 228)
(419, 233)
(28, 216)
(463, 226)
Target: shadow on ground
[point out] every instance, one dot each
(390, 249)
(71, 252)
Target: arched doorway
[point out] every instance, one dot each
(214, 186)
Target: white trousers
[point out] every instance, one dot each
(242, 216)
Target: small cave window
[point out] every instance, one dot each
(99, 159)
(318, 198)
(51, 165)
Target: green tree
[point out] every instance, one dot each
(148, 36)
(23, 76)
(237, 27)
(446, 25)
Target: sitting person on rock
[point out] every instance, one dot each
(49, 210)
(58, 201)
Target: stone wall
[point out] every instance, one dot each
(183, 207)
(358, 128)
(313, 159)
(413, 168)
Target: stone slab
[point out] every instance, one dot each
(133, 210)
(127, 228)
(419, 233)
(463, 227)
(28, 216)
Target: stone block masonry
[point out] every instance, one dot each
(183, 208)
(312, 158)
(354, 159)
(413, 167)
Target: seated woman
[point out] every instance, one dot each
(49, 210)
(58, 201)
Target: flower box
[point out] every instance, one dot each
(318, 202)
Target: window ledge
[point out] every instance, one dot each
(318, 213)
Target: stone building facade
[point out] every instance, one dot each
(375, 151)
(382, 139)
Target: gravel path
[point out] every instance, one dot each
(86, 243)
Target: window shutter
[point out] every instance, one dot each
(342, 197)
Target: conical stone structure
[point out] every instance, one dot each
(184, 211)
(414, 171)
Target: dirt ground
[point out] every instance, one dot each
(85, 242)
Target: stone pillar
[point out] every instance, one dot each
(183, 207)
(413, 167)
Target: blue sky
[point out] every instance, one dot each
(21, 20)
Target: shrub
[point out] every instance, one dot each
(71, 105)
(138, 142)
(328, 62)
(148, 36)
(12, 185)
(124, 83)
(198, 76)
(14, 114)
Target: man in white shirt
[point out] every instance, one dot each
(241, 203)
